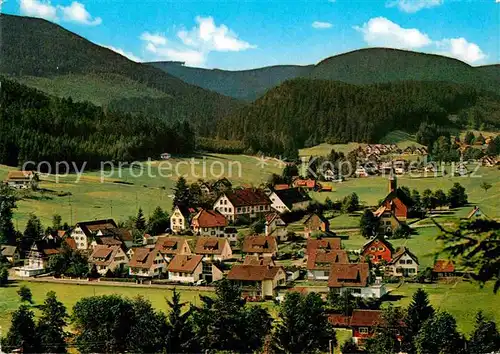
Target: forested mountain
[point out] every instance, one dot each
(305, 112)
(37, 48)
(364, 66)
(36, 127)
(245, 84)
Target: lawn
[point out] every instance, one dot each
(461, 299)
(120, 194)
(69, 294)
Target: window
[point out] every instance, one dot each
(363, 330)
(261, 207)
(373, 249)
(409, 261)
(411, 270)
(402, 261)
(381, 249)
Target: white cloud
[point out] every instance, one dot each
(35, 8)
(321, 25)
(461, 49)
(380, 31)
(120, 51)
(193, 46)
(208, 36)
(76, 12)
(412, 6)
(156, 39)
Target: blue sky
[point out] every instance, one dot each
(247, 34)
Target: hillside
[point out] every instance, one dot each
(364, 66)
(305, 112)
(38, 48)
(246, 84)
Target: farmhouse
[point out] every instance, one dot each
(10, 253)
(354, 278)
(388, 222)
(84, 232)
(185, 268)
(213, 248)
(248, 203)
(262, 246)
(319, 263)
(309, 184)
(209, 223)
(315, 223)
(258, 280)
(443, 268)
(403, 264)
(378, 249)
(396, 201)
(276, 226)
(38, 257)
(22, 179)
(108, 258)
(363, 324)
(289, 199)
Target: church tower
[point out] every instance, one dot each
(392, 181)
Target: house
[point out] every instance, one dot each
(326, 244)
(276, 226)
(180, 219)
(361, 172)
(319, 263)
(147, 262)
(388, 222)
(169, 247)
(354, 278)
(403, 264)
(443, 268)
(259, 281)
(315, 223)
(281, 186)
(256, 260)
(231, 234)
(108, 258)
(363, 324)
(10, 253)
(213, 248)
(209, 223)
(378, 249)
(309, 184)
(475, 213)
(262, 246)
(112, 236)
(165, 156)
(222, 185)
(488, 161)
(211, 271)
(38, 257)
(290, 199)
(104, 241)
(205, 188)
(84, 232)
(185, 268)
(22, 179)
(396, 201)
(247, 203)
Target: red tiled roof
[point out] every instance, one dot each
(248, 197)
(323, 244)
(380, 239)
(308, 183)
(210, 245)
(143, 257)
(260, 244)
(210, 218)
(22, 175)
(256, 260)
(324, 260)
(366, 318)
(352, 275)
(339, 320)
(280, 186)
(169, 245)
(70, 242)
(184, 263)
(252, 272)
(444, 266)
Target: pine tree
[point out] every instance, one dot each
(50, 327)
(439, 335)
(180, 332)
(140, 221)
(369, 224)
(419, 311)
(182, 196)
(158, 223)
(7, 204)
(485, 337)
(22, 333)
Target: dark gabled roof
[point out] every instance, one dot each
(210, 245)
(324, 260)
(184, 263)
(7, 250)
(401, 195)
(366, 318)
(320, 216)
(292, 196)
(323, 244)
(247, 272)
(400, 253)
(260, 244)
(90, 227)
(349, 275)
(248, 197)
(210, 218)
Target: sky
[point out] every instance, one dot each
(245, 34)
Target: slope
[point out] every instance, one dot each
(246, 84)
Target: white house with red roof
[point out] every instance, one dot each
(185, 268)
(209, 223)
(108, 258)
(276, 226)
(248, 202)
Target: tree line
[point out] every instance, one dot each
(36, 127)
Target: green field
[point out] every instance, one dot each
(92, 199)
(461, 299)
(69, 294)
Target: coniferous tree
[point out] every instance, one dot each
(50, 326)
(369, 224)
(439, 335)
(158, 223)
(4, 274)
(22, 334)
(180, 332)
(485, 337)
(387, 332)
(25, 294)
(182, 197)
(419, 311)
(140, 221)
(7, 204)
(34, 229)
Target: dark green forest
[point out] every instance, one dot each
(36, 127)
(305, 112)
